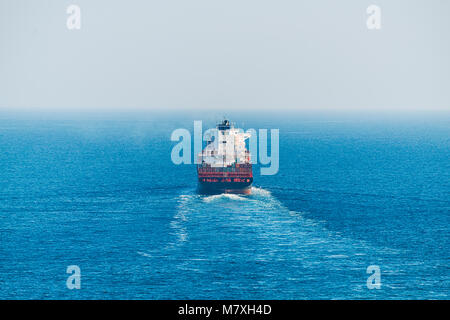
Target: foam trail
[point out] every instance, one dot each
(192, 206)
(261, 192)
(254, 229)
(185, 208)
(229, 196)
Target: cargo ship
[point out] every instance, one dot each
(224, 165)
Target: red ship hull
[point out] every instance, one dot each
(225, 180)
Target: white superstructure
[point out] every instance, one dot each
(225, 147)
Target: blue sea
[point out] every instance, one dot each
(103, 194)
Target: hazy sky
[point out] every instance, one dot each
(220, 54)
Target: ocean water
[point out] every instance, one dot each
(105, 196)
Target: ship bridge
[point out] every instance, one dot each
(227, 149)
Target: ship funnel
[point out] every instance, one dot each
(225, 125)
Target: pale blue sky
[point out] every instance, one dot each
(227, 54)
